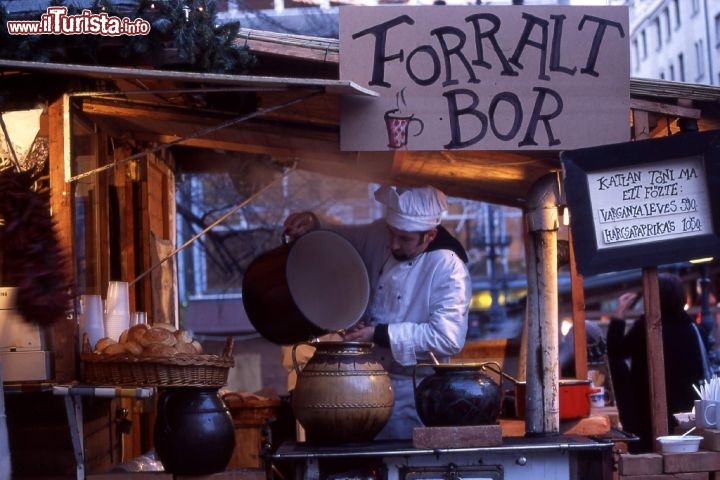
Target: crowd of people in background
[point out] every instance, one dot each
(685, 360)
(691, 352)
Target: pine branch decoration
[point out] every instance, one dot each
(189, 26)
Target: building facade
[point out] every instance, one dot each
(676, 40)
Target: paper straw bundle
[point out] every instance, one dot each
(709, 389)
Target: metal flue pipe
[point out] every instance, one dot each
(542, 411)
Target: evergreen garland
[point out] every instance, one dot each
(188, 27)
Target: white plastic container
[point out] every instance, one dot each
(679, 444)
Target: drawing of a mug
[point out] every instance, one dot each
(398, 126)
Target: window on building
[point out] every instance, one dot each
(681, 67)
(676, 5)
(666, 21)
(699, 59)
(695, 7)
(717, 30)
(658, 30)
(661, 75)
(643, 39)
(671, 72)
(636, 53)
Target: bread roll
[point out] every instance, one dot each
(183, 336)
(198, 347)
(157, 336)
(103, 343)
(114, 349)
(167, 326)
(136, 332)
(184, 347)
(133, 347)
(159, 350)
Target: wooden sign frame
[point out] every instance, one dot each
(580, 165)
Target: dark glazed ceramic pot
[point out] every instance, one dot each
(194, 432)
(456, 395)
(342, 395)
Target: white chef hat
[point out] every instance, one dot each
(412, 209)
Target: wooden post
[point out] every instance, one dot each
(655, 355)
(578, 315)
(63, 332)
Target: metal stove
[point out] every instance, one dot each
(558, 457)
(23, 351)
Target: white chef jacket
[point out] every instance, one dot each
(425, 302)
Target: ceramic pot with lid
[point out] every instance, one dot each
(343, 394)
(194, 432)
(457, 394)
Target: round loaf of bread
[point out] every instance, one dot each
(159, 350)
(158, 336)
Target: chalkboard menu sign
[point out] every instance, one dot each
(644, 203)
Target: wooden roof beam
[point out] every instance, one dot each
(665, 108)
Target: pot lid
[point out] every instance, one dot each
(327, 280)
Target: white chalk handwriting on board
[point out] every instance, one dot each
(647, 203)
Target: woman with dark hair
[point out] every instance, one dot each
(684, 361)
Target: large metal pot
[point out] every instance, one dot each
(315, 285)
(457, 394)
(574, 395)
(342, 394)
(574, 398)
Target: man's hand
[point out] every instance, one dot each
(625, 302)
(298, 224)
(364, 334)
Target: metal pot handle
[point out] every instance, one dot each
(296, 366)
(414, 378)
(498, 369)
(415, 367)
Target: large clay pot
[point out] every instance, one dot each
(457, 394)
(194, 432)
(342, 394)
(315, 285)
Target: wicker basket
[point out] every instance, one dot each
(181, 370)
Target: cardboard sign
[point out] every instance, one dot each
(644, 203)
(648, 203)
(485, 78)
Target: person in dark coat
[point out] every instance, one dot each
(684, 366)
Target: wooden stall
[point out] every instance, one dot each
(117, 137)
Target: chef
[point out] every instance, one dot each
(420, 290)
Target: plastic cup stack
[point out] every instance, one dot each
(117, 309)
(137, 318)
(91, 319)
